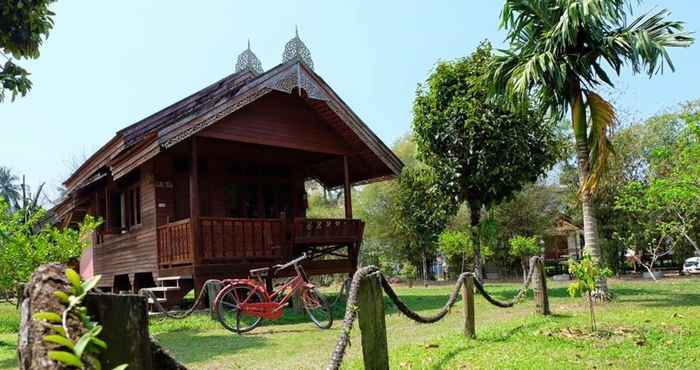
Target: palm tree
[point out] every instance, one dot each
(556, 55)
(9, 189)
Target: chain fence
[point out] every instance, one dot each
(353, 298)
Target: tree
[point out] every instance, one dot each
(524, 247)
(644, 151)
(376, 204)
(587, 273)
(23, 27)
(455, 243)
(557, 51)
(481, 151)
(9, 189)
(423, 212)
(27, 244)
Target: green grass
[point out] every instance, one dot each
(649, 325)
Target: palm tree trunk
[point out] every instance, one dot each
(590, 223)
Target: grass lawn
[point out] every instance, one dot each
(649, 325)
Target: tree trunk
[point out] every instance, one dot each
(425, 270)
(475, 212)
(523, 264)
(590, 223)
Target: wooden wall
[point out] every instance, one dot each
(279, 120)
(133, 251)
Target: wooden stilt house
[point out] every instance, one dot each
(213, 185)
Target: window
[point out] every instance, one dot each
(125, 209)
(132, 208)
(115, 211)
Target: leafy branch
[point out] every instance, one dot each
(76, 350)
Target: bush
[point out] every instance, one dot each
(25, 244)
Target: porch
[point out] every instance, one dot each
(244, 243)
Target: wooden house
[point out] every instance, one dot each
(564, 240)
(213, 185)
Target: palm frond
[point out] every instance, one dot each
(602, 119)
(644, 42)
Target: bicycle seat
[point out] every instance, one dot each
(263, 271)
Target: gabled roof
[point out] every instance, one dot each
(137, 143)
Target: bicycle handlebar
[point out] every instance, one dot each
(290, 263)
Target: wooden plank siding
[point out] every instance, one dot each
(135, 250)
(279, 120)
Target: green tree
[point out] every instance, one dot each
(24, 25)
(524, 247)
(9, 189)
(557, 51)
(587, 273)
(422, 213)
(455, 243)
(376, 204)
(481, 151)
(27, 244)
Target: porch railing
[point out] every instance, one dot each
(234, 239)
(241, 238)
(310, 231)
(175, 243)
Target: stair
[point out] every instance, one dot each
(170, 290)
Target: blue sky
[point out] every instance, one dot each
(108, 64)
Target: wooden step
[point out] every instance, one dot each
(170, 290)
(162, 288)
(181, 277)
(159, 300)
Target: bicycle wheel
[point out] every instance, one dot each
(317, 308)
(228, 308)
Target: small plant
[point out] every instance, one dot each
(587, 274)
(409, 273)
(82, 351)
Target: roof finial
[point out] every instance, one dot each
(296, 50)
(248, 61)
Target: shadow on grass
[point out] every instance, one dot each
(191, 346)
(494, 338)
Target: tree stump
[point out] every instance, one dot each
(39, 296)
(124, 321)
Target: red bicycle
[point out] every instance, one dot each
(243, 303)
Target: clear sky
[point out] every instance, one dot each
(108, 64)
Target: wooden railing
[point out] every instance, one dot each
(309, 231)
(242, 238)
(235, 239)
(175, 243)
